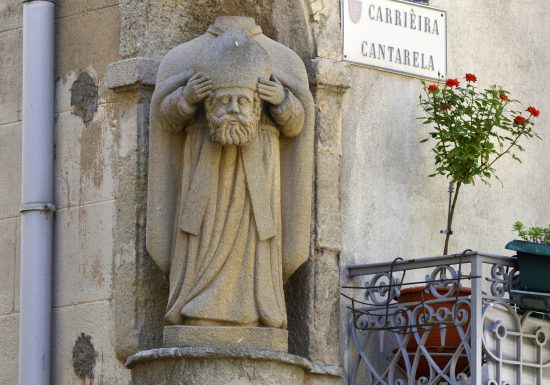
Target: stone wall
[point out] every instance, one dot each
(10, 190)
(86, 167)
(374, 201)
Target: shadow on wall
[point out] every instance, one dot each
(151, 29)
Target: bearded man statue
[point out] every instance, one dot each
(230, 166)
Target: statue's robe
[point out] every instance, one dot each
(228, 224)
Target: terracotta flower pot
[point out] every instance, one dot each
(441, 353)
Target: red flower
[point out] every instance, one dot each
(471, 78)
(452, 83)
(533, 111)
(432, 88)
(444, 107)
(519, 121)
(503, 96)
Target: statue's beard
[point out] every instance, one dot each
(227, 129)
(233, 129)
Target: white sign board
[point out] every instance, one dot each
(396, 36)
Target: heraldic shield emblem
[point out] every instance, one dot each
(355, 10)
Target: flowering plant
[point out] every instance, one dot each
(472, 129)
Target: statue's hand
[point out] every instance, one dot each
(198, 87)
(271, 91)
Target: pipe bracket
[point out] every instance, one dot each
(38, 206)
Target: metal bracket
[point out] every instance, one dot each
(37, 206)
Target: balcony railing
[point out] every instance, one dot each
(444, 320)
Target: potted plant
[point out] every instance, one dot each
(471, 129)
(533, 254)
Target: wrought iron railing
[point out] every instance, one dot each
(443, 320)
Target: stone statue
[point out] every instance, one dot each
(230, 168)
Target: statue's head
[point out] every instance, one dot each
(234, 63)
(233, 114)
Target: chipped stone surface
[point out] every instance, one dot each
(84, 356)
(84, 97)
(313, 295)
(315, 327)
(222, 370)
(92, 319)
(325, 25)
(317, 9)
(130, 72)
(216, 352)
(228, 366)
(85, 159)
(140, 290)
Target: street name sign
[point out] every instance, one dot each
(395, 36)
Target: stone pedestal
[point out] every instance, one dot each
(226, 336)
(226, 366)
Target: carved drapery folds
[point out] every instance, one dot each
(230, 165)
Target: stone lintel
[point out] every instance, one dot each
(226, 336)
(329, 73)
(138, 71)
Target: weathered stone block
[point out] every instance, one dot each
(10, 158)
(328, 201)
(9, 354)
(329, 73)
(134, 71)
(223, 366)
(325, 15)
(74, 7)
(83, 251)
(324, 322)
(210, 366)
(179, 21)
(93, 320)
(85, 156)
(92, 38)
(11, 14)
(10, 75)
(140, 291)
(226, 337)
(8, 232)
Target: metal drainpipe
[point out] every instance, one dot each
(37, 208)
